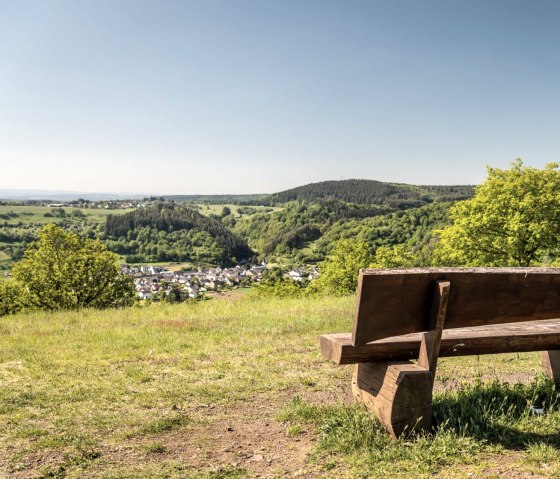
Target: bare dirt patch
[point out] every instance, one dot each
(244, 435)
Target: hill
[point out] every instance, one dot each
(10, 194)
(255, 199)
(307, 231)
(236, 390)
(394, 195)
(172, 232)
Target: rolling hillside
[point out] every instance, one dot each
(400, 196)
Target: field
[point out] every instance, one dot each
(236, 388)
(36, 214)
(216, 209)
(19, 225)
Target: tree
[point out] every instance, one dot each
(10, 297)
(63, 271)
(513, 220)
(397, 256)
(338, 274)
(176, 294)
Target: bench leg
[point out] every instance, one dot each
(551, 365)
(399, 394)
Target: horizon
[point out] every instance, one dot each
(32, 194)
(191, 98)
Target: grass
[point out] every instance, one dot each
(476, 420)
(159, 391)
(36, 214)
(216, 209)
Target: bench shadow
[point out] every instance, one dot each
(512, 416)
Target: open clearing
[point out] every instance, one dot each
(235, 389)
(36, 214)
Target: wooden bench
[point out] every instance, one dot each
(405, 319)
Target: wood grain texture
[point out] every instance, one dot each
(551, 365)
(430, 342)
(396, 302)
(493, 339)
(399, 394)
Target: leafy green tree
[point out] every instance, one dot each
(176, 294)
(513, 220)
(279, 288)
(10, 297)
(397, 256)
(63, 271)
(338, 274)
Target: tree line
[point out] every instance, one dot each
(396, 196)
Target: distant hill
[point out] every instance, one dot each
(253, 199)
(173, 232)
(46, 195)
(395, 195)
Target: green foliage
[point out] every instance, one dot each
(513, 220)
(397, 256)
(393, 195)
(172, 232)
(279, 288)
(274, 284)
(297, 225)
(22, 223)
(63, 271)
(10, 297)
(338, 274)
(176, 294)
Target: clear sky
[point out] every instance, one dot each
(250, 96)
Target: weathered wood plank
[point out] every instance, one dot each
(551, 365)
(430, 342)
(399, 394)
(397, 302)
(494, 339)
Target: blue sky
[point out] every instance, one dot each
(185, 97)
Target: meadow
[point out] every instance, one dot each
(36, 214)
(238, 389)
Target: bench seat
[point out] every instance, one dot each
(405, 320)
(498, 338)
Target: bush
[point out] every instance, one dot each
(63, 271)
(10, 297)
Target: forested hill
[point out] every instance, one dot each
(394, 195)
(172, 232)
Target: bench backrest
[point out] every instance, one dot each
(396, 302)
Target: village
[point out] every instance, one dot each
(157, 283)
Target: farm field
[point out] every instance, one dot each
(216, 209)
(36, 214)
(237, 388)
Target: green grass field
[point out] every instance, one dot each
(216, 209)
(36, 214)
(238, 389)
